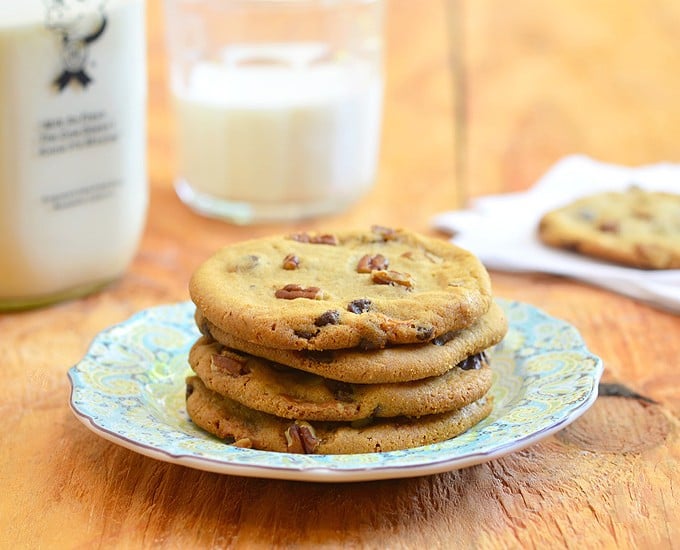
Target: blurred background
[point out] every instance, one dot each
(523, 83)
(543, 80)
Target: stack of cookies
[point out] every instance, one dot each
(353, 342)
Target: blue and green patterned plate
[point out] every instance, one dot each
(129, 389)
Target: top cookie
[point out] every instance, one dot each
(636, 228)
(351, 289)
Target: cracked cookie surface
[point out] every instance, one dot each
(365, 289)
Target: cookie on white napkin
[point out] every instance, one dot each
(501, 229)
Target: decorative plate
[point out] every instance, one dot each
(129, 389)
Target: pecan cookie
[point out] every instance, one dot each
(392, 364)
(245, 427)
(351, 289)
(289, 393)
(636, 228)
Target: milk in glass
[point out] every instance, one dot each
(278, 104)
(291, 134)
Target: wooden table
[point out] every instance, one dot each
(534, 81)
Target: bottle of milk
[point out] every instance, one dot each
(73, 189)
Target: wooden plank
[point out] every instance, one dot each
(548, 79)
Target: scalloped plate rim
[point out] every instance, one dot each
(326, 473)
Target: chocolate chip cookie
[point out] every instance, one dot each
(289, 393)
(388, 365)
(635, 228)
(363, 289)
(245, 427)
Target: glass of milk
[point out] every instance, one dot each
(73, 185)
(278, 104)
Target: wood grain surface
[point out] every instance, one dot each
(530, 81)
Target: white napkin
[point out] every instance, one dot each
(501, 229)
